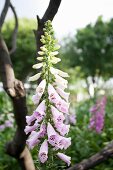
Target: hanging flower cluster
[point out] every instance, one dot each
(6, 121)
(46, 124)
(97, 115)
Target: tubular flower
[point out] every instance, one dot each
(39, 92)
(43, 152)
(29, 129)
(33, 139)
(58, 117)
(64, 157)
(97, 115)
(63, 94)
(30, 119)
(47, 121)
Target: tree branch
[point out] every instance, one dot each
(96, 159)
(4, 12)
(15, 89)
(49, 15)
(6, 69)
(14, 34)
(26, 160)
(51, 10)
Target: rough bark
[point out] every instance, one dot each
(96, 159)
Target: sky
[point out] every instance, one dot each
(72, 14)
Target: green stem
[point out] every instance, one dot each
(47, 73)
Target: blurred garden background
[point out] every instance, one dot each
(87, 55)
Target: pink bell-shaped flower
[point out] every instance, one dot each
(65, 158)
(43, 152)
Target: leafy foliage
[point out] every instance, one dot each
(91, 49)
(23, 58)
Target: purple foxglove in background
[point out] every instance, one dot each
(2, 127)
(72, 118)
(8, 123)
(97, 115)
